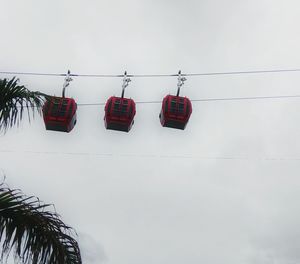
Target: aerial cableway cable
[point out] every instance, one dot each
(151, 75)
(211, 99)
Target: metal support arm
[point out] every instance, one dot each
(68, 79)
(180, 83)
(126, 81)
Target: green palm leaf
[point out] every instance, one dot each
(14, 99)
(37, 235)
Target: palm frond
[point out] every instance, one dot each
(36, 235)
(14, 99)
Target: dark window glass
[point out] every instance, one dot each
(117, 107)
(63, 108)
(181, 107)
(46, 108)
(187, 108)
(62, 105)
(173, 106)
(109, 106)
(70, 110)
(124, 108)
(54, 110)
(56, 101)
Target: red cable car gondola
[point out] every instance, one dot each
(176, 110)
(120, 111)
(59, 113)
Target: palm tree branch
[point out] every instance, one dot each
(37, 235)
(14, 99)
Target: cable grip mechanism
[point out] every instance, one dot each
(126, 81)
(180, 83)
(68, 79)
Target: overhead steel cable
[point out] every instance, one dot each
(203, 100)
(151, 75)
(32, 73)
(241, 72)
(246, 98)
(210, 99)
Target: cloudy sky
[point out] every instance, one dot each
(225, 190)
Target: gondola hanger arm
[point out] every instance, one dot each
(180, 83)
(68, 79)
(126, 81)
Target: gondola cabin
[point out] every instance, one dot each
(119, 113)
(175, 112)
(59, 114)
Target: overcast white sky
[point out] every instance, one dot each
(225, 190)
